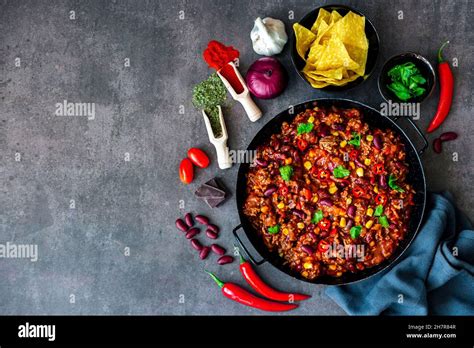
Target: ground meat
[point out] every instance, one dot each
(346, 205)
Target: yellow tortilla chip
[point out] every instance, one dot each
(304, 39)
(336, 48)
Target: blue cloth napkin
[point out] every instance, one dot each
(434, 276)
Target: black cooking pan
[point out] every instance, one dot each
(373, 117)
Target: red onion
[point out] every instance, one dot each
(266, 78)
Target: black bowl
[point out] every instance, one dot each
(421, 63)
(372, 36)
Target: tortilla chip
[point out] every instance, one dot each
(304, 39)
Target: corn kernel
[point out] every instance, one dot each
(332, 267)
(315, 199)
(288, 160)
(332, 189)
(311, 119)
(360, 172)
(372, 243)
(342, 223)
(369, 223)
(376, 189)
(305, 274)
(357, 218)
(264, 209)
(369, 137)
(348, 200)
(370, 212)
(343, 143)
(300, 225)
(308, 165)
(338, 274)
(285, 231)
(352, 165)
(308, 265)
(335, 133)
(367, 161)
(281, 205)
(312, 153)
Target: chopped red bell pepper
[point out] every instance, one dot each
(302, 144)
(307, 193)
(378, 169)
(324, 224)
(358, 192)
(354, 154)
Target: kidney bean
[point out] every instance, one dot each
(298, 213)
(192, 232)
(202, 219)
(351, 210)
(324, 130)
(326, 202)
(378, 142)
(270, 190)
(448, 136)
(338, 127)
(307, 249)
(261, 163)
(223, 260)
(437, 145)
(285, 148)
(204, 252)
(213, 228)
(323, 234)
(313, 236)
(349, 224)
(359, 163)
(181, 225)
(211, 234)
(383, 181)
(189, 220)
(196, 244)
(217, 249)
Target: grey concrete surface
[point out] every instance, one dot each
(133, 204)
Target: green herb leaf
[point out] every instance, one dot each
(391, 182)
(286, 172)
(384, 221)
(340, 172)
(418, 79)
(318, 216)
(355, 139)
(378, 210)
(305, 128)
(355, 231)
(274, 229)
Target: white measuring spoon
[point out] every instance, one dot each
(244, 98)
(223, 158)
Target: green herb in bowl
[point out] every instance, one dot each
(406, 81)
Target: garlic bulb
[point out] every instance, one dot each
(268, 36)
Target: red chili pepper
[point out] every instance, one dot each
(324, 174)
(240, 295)
(378, 169)
(323, 246)
(358, 192)
(324, 224)
(354, 154)
(381, 199)
(307, 194)
(446, 83)
(283, 190)
(302, 144)
(262, 288)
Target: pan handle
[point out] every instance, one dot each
(418, 131)
(242, 245)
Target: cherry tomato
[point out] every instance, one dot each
(354, 154)
(358, 191)
(324, 174)
(198, 157)
(302, 144)
(186, 171)
(378, 169)
(323, 246)
(381, 199)
(324, 224)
